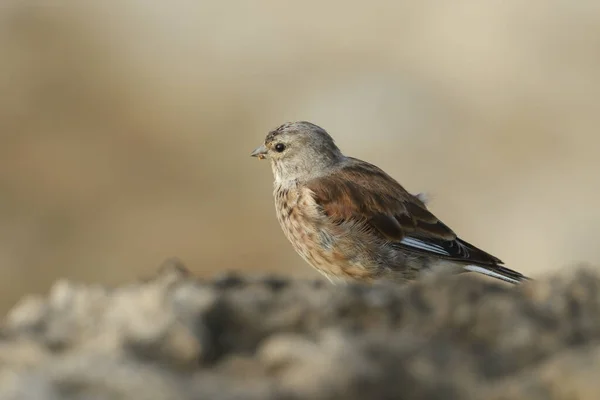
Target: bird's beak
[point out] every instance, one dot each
(260, 152)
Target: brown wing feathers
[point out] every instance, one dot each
(363, 192)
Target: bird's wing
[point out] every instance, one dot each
(363, 193)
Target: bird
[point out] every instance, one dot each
(351, 221)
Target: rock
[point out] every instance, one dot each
(240, 337)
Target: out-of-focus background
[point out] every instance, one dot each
(126, 127)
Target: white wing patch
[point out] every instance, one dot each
(419, 244)
(493, 274)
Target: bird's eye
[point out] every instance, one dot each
(279, 147)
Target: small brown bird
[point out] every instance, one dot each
(352, 221)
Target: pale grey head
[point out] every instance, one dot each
(299, 150)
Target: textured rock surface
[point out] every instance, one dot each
(176, 337)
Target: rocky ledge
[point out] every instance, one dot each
(238, 337)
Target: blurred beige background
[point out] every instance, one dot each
(126, 127)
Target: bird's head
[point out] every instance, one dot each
(299, 150)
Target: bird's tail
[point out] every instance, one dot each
(498, 272)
